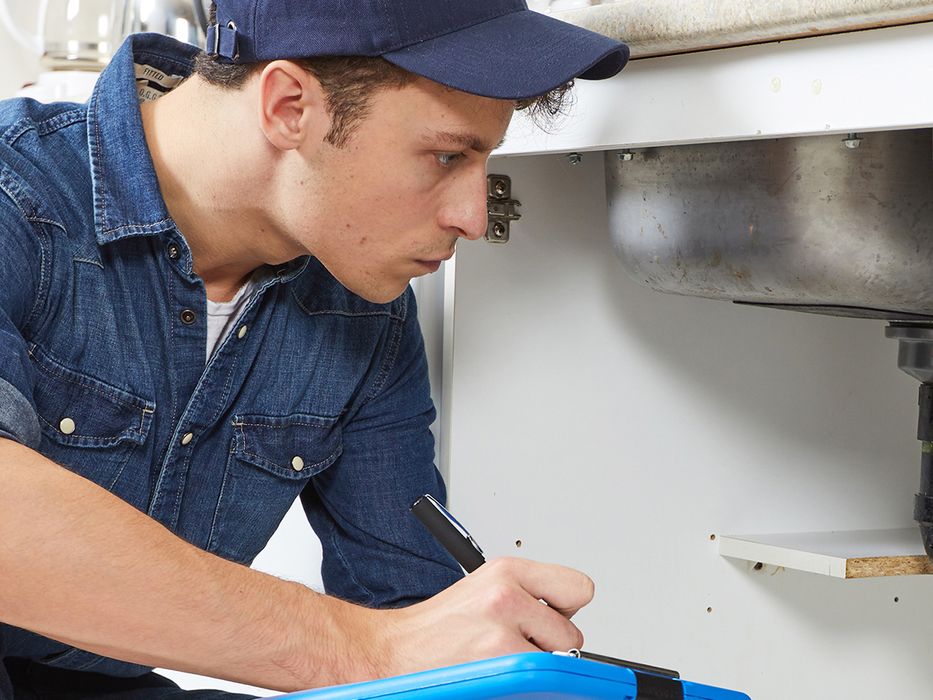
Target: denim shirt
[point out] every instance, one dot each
(314, 393)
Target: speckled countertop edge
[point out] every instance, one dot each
(658, 27)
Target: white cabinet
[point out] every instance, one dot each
(594, 422)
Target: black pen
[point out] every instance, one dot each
(450, 533)
(460, 544)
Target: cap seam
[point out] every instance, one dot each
(396, 33)
(428, 37)
(256, 18)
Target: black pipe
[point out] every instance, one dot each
(923, 501)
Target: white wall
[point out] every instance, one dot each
(19, 66)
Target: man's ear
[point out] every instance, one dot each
(292, 106)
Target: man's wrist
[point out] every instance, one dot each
(334, 642)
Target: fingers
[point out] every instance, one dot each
(548, 630)
(518, 590)
(496, 610)
(564, 589)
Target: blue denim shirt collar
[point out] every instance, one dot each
(127, 199)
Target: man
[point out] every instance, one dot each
(205, 313)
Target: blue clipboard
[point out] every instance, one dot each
(531, 676)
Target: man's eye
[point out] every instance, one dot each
(448, 159)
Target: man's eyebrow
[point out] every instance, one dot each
(461, 140)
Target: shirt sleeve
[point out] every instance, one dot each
(20, 266)
(376, 552)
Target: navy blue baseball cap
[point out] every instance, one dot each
(494, 48)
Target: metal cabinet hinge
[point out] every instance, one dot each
(500, 206)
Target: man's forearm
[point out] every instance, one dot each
(79, 565)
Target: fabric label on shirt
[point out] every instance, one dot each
(151, 83)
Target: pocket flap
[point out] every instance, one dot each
(292, 447)
(78, 410)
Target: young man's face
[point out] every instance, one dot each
(411, 181)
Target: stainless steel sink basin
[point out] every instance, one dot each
(825, 223)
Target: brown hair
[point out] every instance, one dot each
(350, 81)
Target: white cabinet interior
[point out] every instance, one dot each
(597, 423)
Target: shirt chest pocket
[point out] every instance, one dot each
(271, 460)
(88, 425)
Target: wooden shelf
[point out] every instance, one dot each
(841, 554)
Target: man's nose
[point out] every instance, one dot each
(467, 209)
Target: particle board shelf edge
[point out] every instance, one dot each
(839, 554)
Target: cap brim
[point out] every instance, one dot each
(516, 56)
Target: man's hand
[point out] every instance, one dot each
(79, 565)
(496, 610)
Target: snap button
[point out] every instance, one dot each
(186, 438)
(298, 464)
(67, 426)
(173, 251)
(240, 333)
(187, 317)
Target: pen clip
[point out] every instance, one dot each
(453, 521)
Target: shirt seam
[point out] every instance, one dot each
(307, 470)
(44, 283)
(391, 354)
(43, 127)
(431, 36)
(311, 424)
(128, 230)
(135, 403)
(335, 542)
(340, 312)
(97, 166)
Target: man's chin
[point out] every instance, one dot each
(383, 294)
(375, 291)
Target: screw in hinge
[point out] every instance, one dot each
(625, 155)
(501, 208)
(574, 158)
(852, 141)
